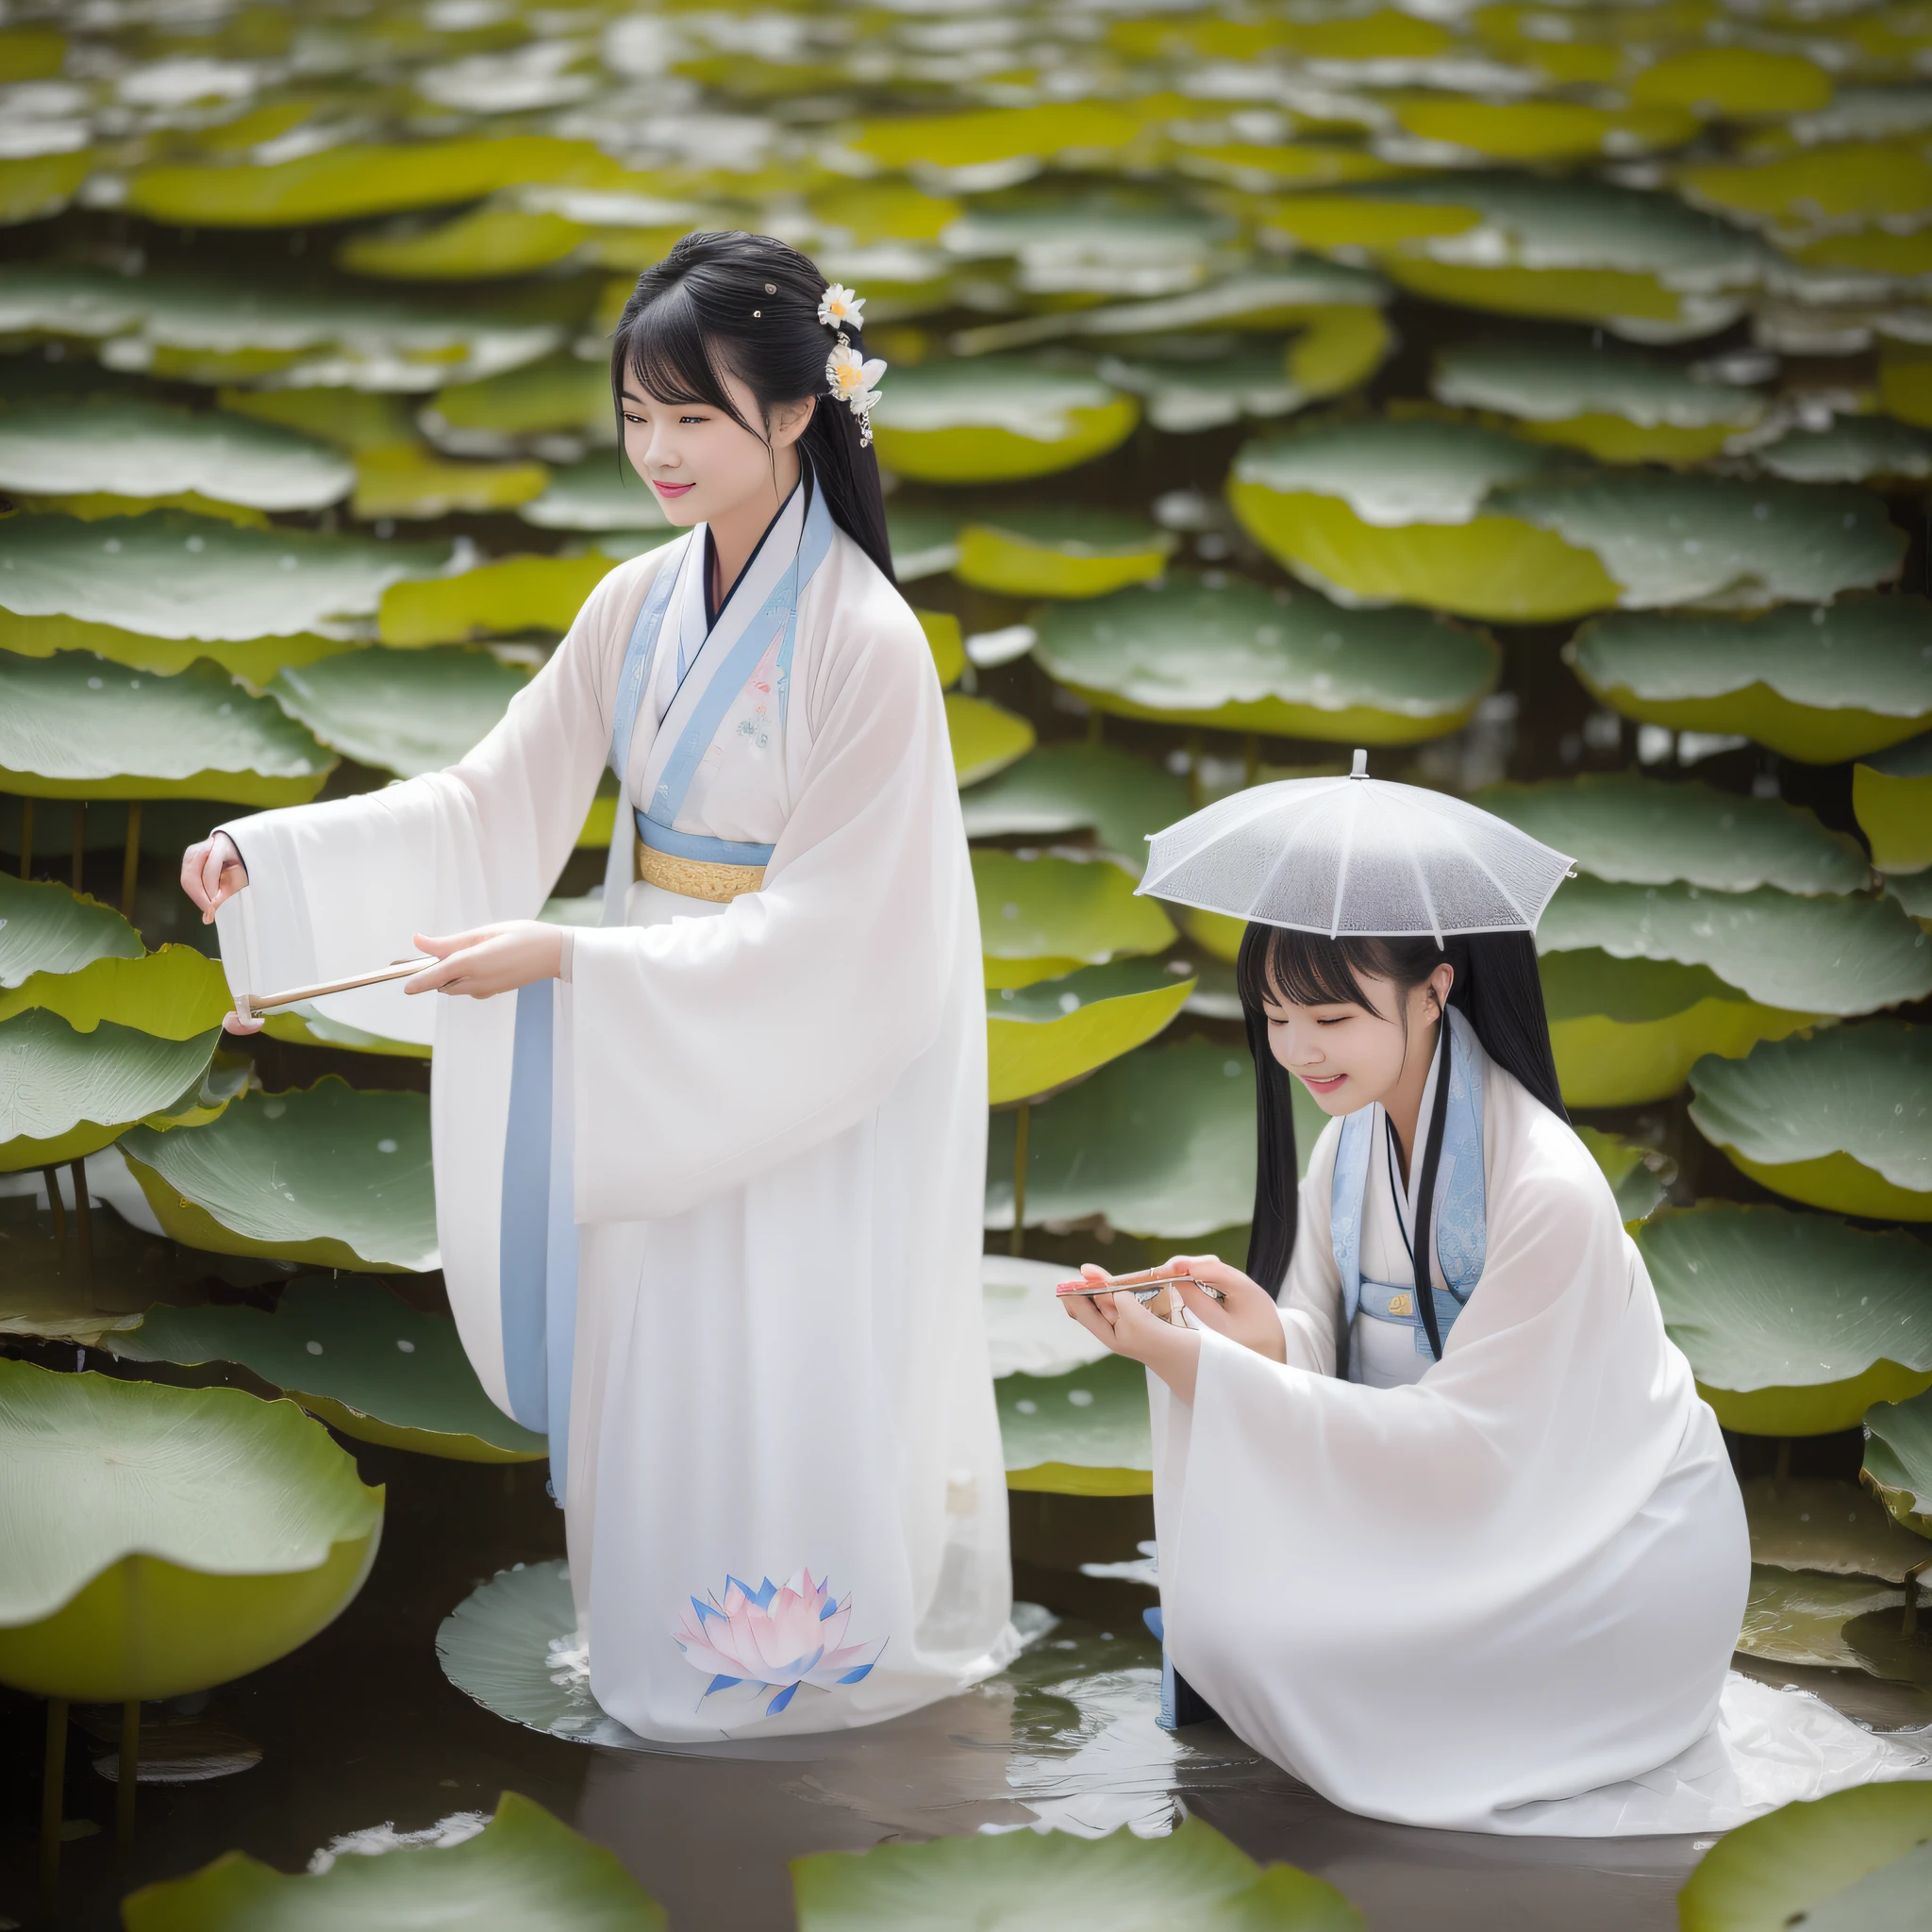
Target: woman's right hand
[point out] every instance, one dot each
(212, 873)
(1248, 1314)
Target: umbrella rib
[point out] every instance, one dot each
(1422, 885)
(1481, 864)
(1288, 852)
(1354, 809)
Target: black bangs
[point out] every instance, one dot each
(1306, 969)
(665, 351)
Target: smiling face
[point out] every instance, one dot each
(702, 467)
(1348, 1055)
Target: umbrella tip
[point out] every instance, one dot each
(1361, 768)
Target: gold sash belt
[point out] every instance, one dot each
(696, 878)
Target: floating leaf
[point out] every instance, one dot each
(944, 142)
(1632, 1177)
(1733, 82)
(562, 396)
(1061, 550)
(1235, 656)
(996, 419)
(132, 448)
(1642, 831)
(1799, 1617)
(330, 1176)
(984, 739)
(1082, 1434)
(498, 238)
(1040, 916)
(1043, 1035)
(46, 928)
(161, 1541)
(924, 542)
(511, 595)
(1822, 684)
(1543, 130)
(1898, 1460)
(1854, 449)
(1904, 382)
(1027, 1328)
(67, 1094)
(1797, 1864)
(1842, 1119)
(1865, 181)
(601, 492)
(1186, 392)
(302, 1025)
(415, 482)
(1840, 1528)
(357, 1357)
(946, 643)
(1891, 794)
(402, 711)
(72, 726)
(1106, 243)
(1880, 1645)
(1068, 788)
(524, 1868)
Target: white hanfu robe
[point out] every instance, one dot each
(723, 1242)
(1503, 1597)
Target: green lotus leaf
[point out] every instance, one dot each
(1799, 1616)
(984, 738)
(497, 238)
(348, 419)
(1241, 658)
(67, 1094)
(1854, 450)
(1627, 1168)
(1190, 390)
(1108, 242)
(1082, 1434)
(1617, 402)
(1756, 543)
(562, 396)
(1068, 787)
(1821, 685)
(511, 595)
(72, 726)
(1879, 1643)
(171, 575)
(1891, 795)
(1543, 130)
(1040, 916)
(416, 482)
(1641, 831)
(1822, 953)
(46, 928)
(947, 644)
(401, 711)
(301, 1024)
(1898, 1461)
(1904, 382)
(161, 1541)
(995, 420)
(601, 492)
(974, 140)
(1800, 1862)
(1043, 1035)
(924, 542)
(1061, 550)
(129, 447)
(330, 1176)
(1840, 1528)
(357, 1357)
(1734, 82)
(1840, 1119)
(1794, 1324)
(1392, 510)
(524, 1869)
(1866, 181)
(1161, 1142)
(1195, 1878)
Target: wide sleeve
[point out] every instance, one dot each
(709, 1050)
(1311, 1297)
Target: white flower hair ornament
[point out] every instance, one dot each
(850, 378)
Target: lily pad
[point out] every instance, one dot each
(1554, 130)
(401, 711)
(416, 482)
(1061, 550)
(1641, 831)
(161, 1541)
(1852, 182)
(1891, 794)
(1734, 83)
(1799, 1863)
(1043, 1035)
(1232, 654)
(506, 597)
(925, 542)
(1161, 1143)
(134, 448)
(1799, 1617)
(1099, 244)
(1898, 1460)
(562, 396)
(996, 419)
(984, 738)
(524, 1868)
(1840, 1119)
(1821, 685)
(304, 1025)
(1618, 403)
(330, 1176)
(67, 1094)
(1632, 1177)
(1068, 787)
(601, 492)
(942, 145)
(1192, 386)
(73, 726)
(1855, 449)
(357, 1357)
(1081, 1434)
(1042, 915)
(497, 238)
(1794, 1324)
(1840, 1529)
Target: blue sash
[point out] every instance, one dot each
(1461, 1228)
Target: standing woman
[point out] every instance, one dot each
(707, 1176)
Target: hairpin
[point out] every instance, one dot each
(851, 378)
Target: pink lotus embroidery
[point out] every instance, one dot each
(775, 1639)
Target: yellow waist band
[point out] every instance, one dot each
(696, 878)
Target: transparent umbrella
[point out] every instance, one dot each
(1356, 856)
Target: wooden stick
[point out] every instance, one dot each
(249, 1004)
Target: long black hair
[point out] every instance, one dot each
(728, 303)
(1496, 989)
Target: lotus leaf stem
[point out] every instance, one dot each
(26, 837)
(1908, 1626)
(1018, 1244)
(52, 1780)
(130, 860)
(79, 843)
(83, 1233)
(1784, 1460)
(51, 1175)
(129, 1779)
(1251, 759)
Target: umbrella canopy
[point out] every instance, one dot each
(1356, 856)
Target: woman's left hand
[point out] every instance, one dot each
(492, 960)
(1127, 1326)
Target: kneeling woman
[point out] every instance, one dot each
(1451, 1559)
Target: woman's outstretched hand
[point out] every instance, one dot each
(492, 960)
(212, 874)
